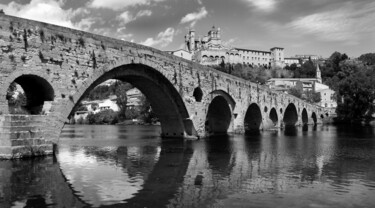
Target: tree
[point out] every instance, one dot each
(312, 97)
(368, 58)
(295, 91)
(120, 91)
(356, 95)
(103, 117)
(147, 114)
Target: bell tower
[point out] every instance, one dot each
(318, 73)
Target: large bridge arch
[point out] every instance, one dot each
(253, 118)
(165, 100)
(219, 114)
(290, 115)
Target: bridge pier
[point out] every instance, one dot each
(23, 136)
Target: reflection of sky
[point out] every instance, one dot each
(98, 182)
(309, 169)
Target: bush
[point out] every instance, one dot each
(103, 117)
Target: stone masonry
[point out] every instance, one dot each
(58, 66)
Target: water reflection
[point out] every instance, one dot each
(322, 166)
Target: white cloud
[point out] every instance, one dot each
(348, 23)
(144, 13)
(85, 24)
(126, 17)
(192, 18)
(163, 39)
(264, 5)
(125, 36)
(49, 11)
(119, 4)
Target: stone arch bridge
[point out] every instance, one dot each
(57, 67)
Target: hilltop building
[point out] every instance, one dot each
(209, 50)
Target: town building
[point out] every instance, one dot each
(308, 84)
(209, 50)
(292, 60)
(134, 98)
(182, 53)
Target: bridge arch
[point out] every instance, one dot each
(219, 113)
(253, 118)
(290, 115)
(273, 116)
(314, 118)
(305, 117)
(165, 100)
(37, 91)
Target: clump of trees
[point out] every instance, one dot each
(353, 81)
(143, 112)
(258, 74)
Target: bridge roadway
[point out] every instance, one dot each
(58, 66)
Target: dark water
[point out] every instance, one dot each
(131, 166)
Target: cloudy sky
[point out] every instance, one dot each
(300, 26)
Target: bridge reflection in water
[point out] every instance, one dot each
(323, 165)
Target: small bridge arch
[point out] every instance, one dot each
(219, 112)
(253, 118)
(305, 117)
(290, 115)
(273, 116)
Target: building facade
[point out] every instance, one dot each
(209, 50)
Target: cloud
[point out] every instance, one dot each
(125, 17)
(192, 18)
(86, 23)
(229, 42)
(144, 13)
(264, 5)
(163, 39)
(348, 23)
(119, 4)
(49, 11)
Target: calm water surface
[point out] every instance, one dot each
(131, 166)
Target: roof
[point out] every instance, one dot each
(293, 79)
(243, 49)
(276, 48)
(292, 58)
(177, 50)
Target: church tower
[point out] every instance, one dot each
(318, 73)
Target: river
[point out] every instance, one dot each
(131, 166)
